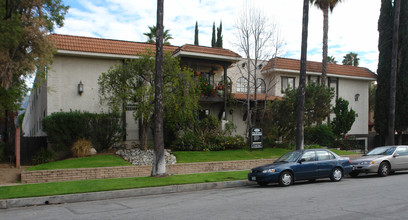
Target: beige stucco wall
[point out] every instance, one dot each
(63, 78)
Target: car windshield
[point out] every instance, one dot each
(381, 151)
(289, 157)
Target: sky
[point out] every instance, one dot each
(352, 24)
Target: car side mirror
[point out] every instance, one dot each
(396, 155)
(302, 160)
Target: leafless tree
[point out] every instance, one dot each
(255, 33)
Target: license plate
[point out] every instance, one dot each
(253, 178)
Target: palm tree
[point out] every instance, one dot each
(300, 105)
(351, 59)
(331, 59)
(153, 33)
(325, 5)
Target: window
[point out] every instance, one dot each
(313, 79)
(334, 83)
(260, 86)
(324, 155)
(242, 84)
(309, 156)
(287, 83)
(402, 151)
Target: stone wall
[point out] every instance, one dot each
(43, 176)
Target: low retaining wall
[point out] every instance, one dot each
(42, 176)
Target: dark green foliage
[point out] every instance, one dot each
(196, 34)
(207, 136)
(401, 116)
(188, 142)
(43, 156)
(105, 130)
(213, 40)
(344, 118)
(351, 59)
(317, 109)
(219, 36)
(320, 134)
(11, 98)
(385, 28)
(64, 128)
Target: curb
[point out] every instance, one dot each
(93, 196)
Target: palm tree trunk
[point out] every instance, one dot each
(391, 113)
(159, 162)
(300, 111)
(325, 47)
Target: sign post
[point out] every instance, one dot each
(256, 139)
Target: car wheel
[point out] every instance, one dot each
(354, 173)
(262, 183)
(384, 169)
(285, 179)
(336, 174)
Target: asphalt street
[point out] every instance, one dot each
(365, 197)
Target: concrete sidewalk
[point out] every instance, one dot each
(93, 196)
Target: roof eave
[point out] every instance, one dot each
(96, 55)
(328, 74)
(207, 56)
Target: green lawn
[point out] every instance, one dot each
(182, 157)
(83, 162)
(82, 186)
(243, 154)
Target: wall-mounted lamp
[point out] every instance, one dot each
(243, 65)
(80, 88)
(356, 96)
(260, 66)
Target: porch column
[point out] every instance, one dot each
(225, 67)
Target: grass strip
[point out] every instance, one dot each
(83, 162)
(84, 186)
(228, 155)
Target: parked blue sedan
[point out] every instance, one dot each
(309, 164)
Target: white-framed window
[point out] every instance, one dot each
(242, 85)
(334, 83)
(287, 83)
(260, 86)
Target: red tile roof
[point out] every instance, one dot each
(106, 46)
(207, 50)
(259, 97)
(311, 66)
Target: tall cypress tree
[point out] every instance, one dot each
(401, 116)
(196, 34)
(385, 29)
(213, 42)
(219, 36)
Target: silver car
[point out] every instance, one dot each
(381, 160)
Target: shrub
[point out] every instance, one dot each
(81, 148)
(232, 142)
(320, 134)
(188, 142)
(43, 156)
(105, 130)
(62, 128)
